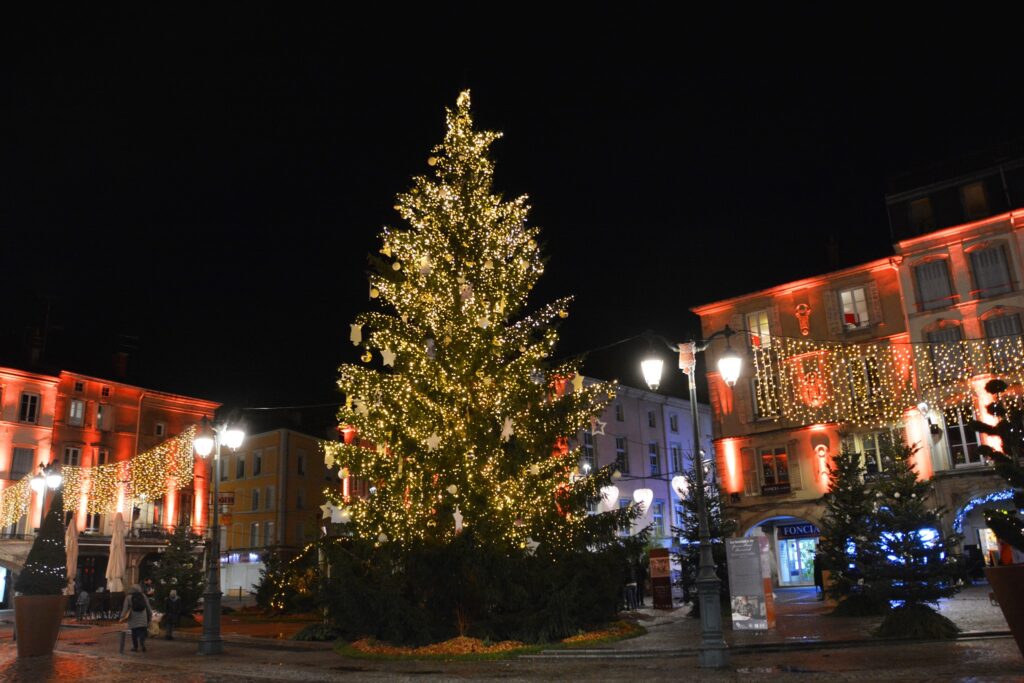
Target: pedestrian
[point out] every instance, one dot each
(629, 591)
(149, 590)
(172, 612)
(82, 605)
(819, 581)
(138, 614)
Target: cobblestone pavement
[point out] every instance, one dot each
(91, 654)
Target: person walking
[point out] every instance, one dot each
(172, 612)
(82, 605)
(138, 613)
(819, 581)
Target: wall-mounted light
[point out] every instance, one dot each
(932, 427)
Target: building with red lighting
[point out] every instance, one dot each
(904, 343)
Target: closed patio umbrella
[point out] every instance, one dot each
(71, 546)
(115, 565)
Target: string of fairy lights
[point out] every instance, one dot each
(873, 384)
(151, 474)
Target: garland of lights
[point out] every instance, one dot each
(873, 384)
(147, 475)
(995, 497)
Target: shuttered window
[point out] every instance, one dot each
(751, 484)
(991, 271)
(933, 288)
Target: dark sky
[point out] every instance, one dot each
(204, 189)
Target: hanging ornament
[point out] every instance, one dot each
(431, 349)
(424, 265)
(361, 406)
(466, 293)
(345, 516)
(386, 250)
(327, 510)
(597, 426)
(506, 429)
(577, 383)
(356, 335)
(680, 486)
(519, 523)
(447, 339)
(433, 442)
(563, 314)
(457, 515)
(382, 538)
(531, 546)
(431, 161)
(482, 322)
(404, 318)
(488, 264)
(367, 357)
(396, 266)
(389, 357)
(329, 459)
(374, 292)
(535, 469)
(610, 496)
(643, 497)
(453, 489)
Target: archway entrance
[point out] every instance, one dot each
(793, 543)
(980, 545)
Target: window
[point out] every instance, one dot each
(991, 271)
(268, 533)
(680, 514)
(104, 416)
(79, 387)
(105, 392)
(775, 468)
(21, 462)
(673, 422)
(160, 429)
(963, 442)
(254, 534)
(621, 455)
(300, 463)
(869, 445)
(933, 288)
(76, 412)
(677, 457)
(29, 408)
(1005, 332)
(619, 414)
(72, 456)
(652, 457)
(300, 499)
(658, 517)
(947, 362)
(854, 305)
(589, 455)
(269, 498)
(103, 456)
(240, 467)
(255, 499)
(974, 199)
(921, 215)
(760, 332)
(651, 420)
(257, 462)
(222, 468)
(92, 522)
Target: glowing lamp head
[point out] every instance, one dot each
(233, 438)
(651, 367)
(729, 365)
(923, 407)
(680, 486)
(37, 482)
(53, 480)
(643, 497)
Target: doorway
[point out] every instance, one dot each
(796, 561)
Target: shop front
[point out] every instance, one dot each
(796, 544)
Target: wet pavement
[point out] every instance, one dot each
(664, 653)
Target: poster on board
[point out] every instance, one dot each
(750, 584)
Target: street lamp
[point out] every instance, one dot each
(48, 478)
(713, 651)
(209, 440)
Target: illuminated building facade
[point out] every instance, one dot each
(904, 343)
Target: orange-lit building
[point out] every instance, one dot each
(903, 343)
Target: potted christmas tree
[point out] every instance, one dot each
(39, 600)
(1007, 581)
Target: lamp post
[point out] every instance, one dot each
(713, 651)
(47, 479)
(208, 441)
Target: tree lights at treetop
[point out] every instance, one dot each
(874, 384)
(462, 420)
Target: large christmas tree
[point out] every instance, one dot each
(46, 569)
(911, 564)
(462, 422)
(848, 527)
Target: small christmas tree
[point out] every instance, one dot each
(46, 568)
(911, 565)
(719, 527)
(1006, 525)
(847, 527)
(181, 569)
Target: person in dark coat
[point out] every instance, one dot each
(172, 613)
(138, 613)
(819, 582)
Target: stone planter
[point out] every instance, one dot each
(1008, 584)
(37, 620)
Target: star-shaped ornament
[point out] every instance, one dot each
(361, 406)
(577, 383)
(356, 335)
(506, 429)
(458, 519)
(327, 509)
(433, 442)
(424, 266)
(389, 357)
(596, 426)
(483, 322)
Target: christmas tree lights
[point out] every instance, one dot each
(462, 419)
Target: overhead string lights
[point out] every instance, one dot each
(873, 384)
(149, 474)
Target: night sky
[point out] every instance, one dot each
(203, 190)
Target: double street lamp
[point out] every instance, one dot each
(209, 439)
(713, 651)
(47, 479)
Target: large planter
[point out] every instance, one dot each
(1008, 584)
(37, 621)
